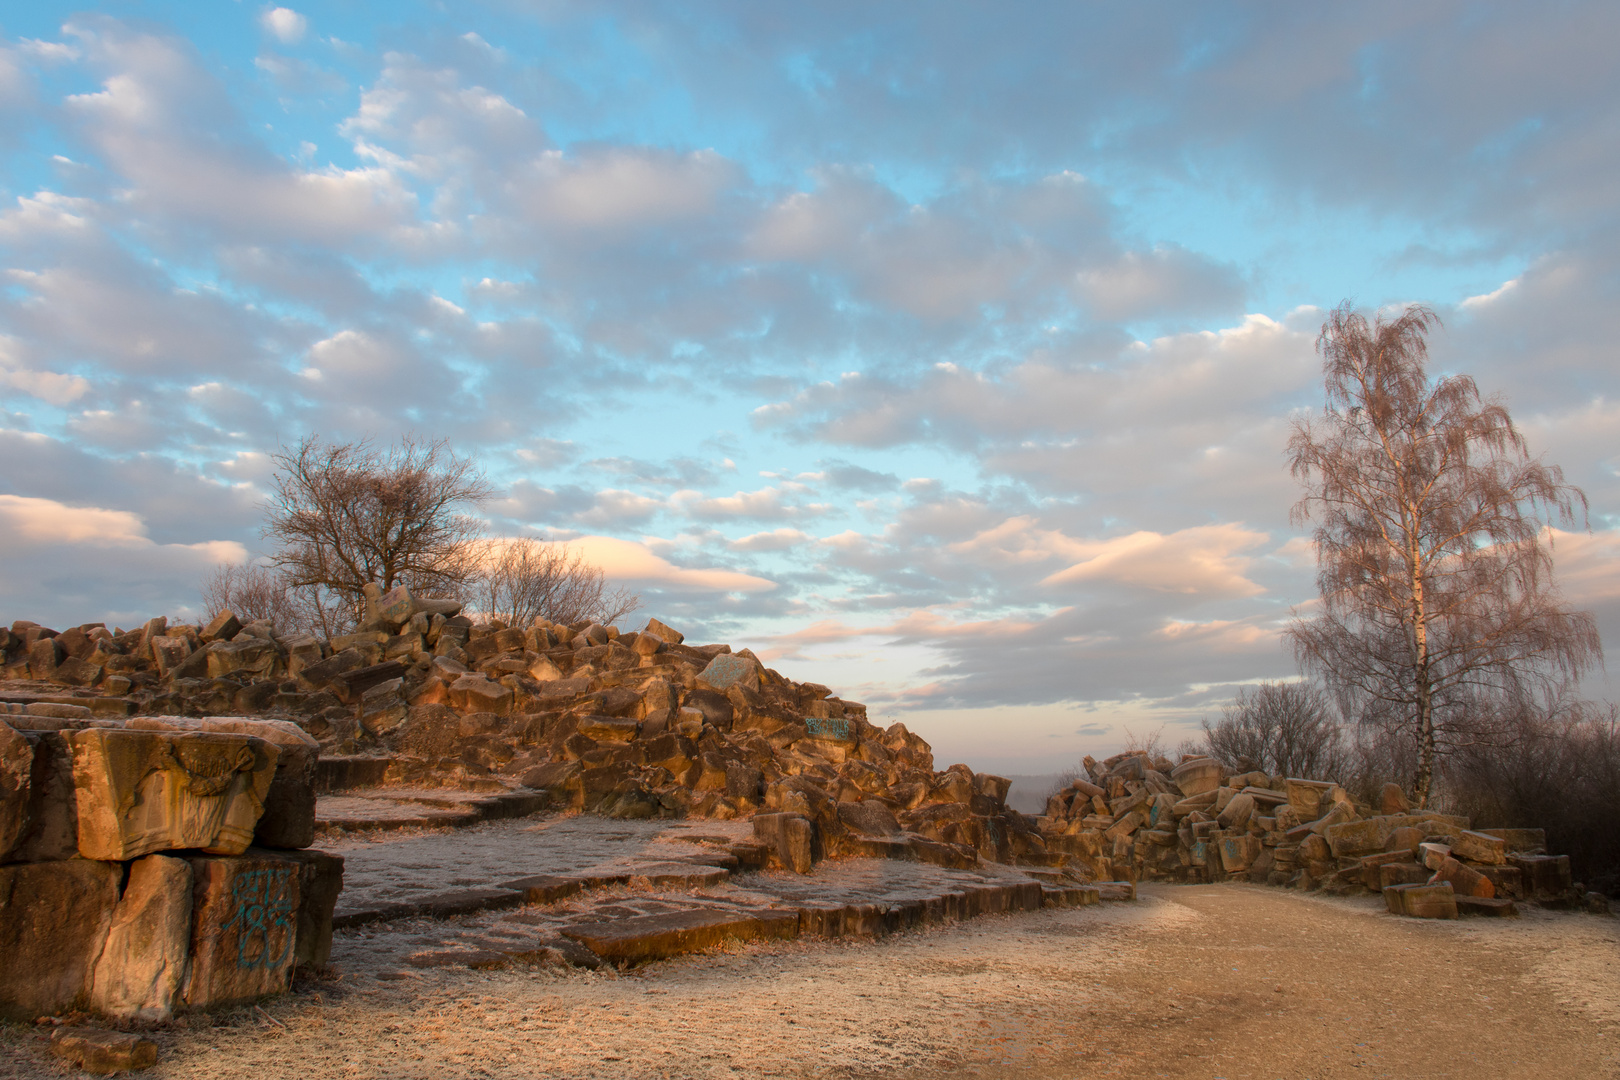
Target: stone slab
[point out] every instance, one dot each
(244, 928)
(655, 937)
(142, 969)
(144, 791)
(54, 919)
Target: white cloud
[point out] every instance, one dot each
(286, 24)
(630, 561)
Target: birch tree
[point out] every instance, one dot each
(1437, 593)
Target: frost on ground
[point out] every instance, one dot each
(1196, 981)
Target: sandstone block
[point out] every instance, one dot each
(252, 656)
(16, 772)
(1352, 838)
(791, 839)
(1520, 841)
(1392, 800)
(103, 1052)
(1543, 876)
(52, 830)
(1479, 847)
(664, 633)
(53, 922)
(726, 671)
(169, 653)
(869, 818)
(143, 791)
(1464, 880)
(1197, 776)
(288, 820)
(221, 627)
(320, 880)
(1238, 853)
(1433, 855)
(1421, 901)
(244, 928)
(474, 693)
(1305, 796)
(1401, 873)
(142, 969)
(1237, 813)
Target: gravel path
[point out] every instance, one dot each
(1206, 981)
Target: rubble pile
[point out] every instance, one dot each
(1138, 817)
(625, 724)
(156, 863)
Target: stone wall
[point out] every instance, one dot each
(158, 863)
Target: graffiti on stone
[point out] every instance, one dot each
(263, 916)
(827, 727)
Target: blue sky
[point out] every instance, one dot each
(944, 355)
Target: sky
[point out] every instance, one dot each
(944, 354)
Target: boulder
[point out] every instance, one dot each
(53, 922)
(288, 820)
(102, 1053)
(475, 693)
(726, 671)
(663, 633)
(142, 968)
(244, 928)
(143, 791)
(869, 818)
(16, 771)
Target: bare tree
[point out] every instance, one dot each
(345, 514)
(250, 592)
(529, 578)
(1283, 728)
(1437, 589)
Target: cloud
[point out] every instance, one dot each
(629, 561)
(285, 24)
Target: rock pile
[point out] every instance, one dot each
(626, 724)
(1138, 817)
(156, 863)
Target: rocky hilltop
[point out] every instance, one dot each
(636, 724)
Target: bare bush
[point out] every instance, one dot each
(251, 592)
(1562, 773)
(347, 514)
(529, 578)
(1279, 728)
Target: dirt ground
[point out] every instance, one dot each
(1207, 981)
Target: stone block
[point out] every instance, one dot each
(1543, 876)
(1238, 853)
(653, 937)
(1198, 776)
(1421, 901)
(474, 693)
(102, 1053)
(1401, 873)
(244, 928)
(320, 880)
(1520, 841)
(251, 656)
(1392, 800)
(143, 791)
(869, 818)
(142, 969)
(726, 671)
(1433, 855)
(53, 923)
(1464, 880)
(791, 839)
(52, 829)
(1479, 847)
(221, 627)
(663, 633)
(1496, 907)
(288, 820)
(169, 653)
(1305, 796)
(1237, 812)
(16, 773)
(1349, 839)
